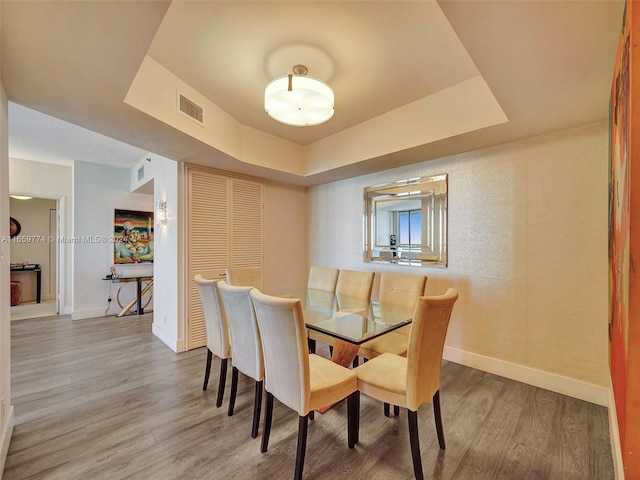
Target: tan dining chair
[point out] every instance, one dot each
(217, 329)
(321, 279)
(303, 382)
(244, 277)
(396, 289)
(353, 295)
(415, 379)
(247, 346)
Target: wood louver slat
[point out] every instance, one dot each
(246, 223)
(225, 228)
(208, 230)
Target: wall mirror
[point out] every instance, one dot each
(405, 222)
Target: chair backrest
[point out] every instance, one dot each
(215, 319)
(354, 289)
(426, 344)
(245, 276)
(322, 278)
(243, 326)
(285, 349)
(401, 289)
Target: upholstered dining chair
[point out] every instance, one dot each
(415, 379)
(301, 381)
(321, 279)
(353, 290)
(353, 295)
(217, 328)
(244, 276)
(396, 289)
(247, 347)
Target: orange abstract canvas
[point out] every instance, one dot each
(624, 240)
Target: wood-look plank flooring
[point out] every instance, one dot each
(104, 399)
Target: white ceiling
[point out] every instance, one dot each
(548, 64)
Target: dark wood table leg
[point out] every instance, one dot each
(38, 285)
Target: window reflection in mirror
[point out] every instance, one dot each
(406, 222)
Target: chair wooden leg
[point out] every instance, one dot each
(303, 424)
(234, 390)
(207, 369)
(312, 415)
(268, 414)
(386, 409)
(222, 381)
(312, 345)
(414, 439)
(331, 350)
(356, 362)
(353, 418)
(396, 410)
(257, 406)
(438, 418)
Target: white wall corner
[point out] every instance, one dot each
(169, 340)
(614, 435)
(7, 432)
(588, 392)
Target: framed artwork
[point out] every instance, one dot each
(624, 205)
(133, 237)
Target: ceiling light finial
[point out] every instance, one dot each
(298, 100)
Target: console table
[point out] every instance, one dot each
(139, 290)
(35, 268)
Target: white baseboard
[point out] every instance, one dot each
(168, 339)
(7, 432)
(538, 378)
(93, 313)
(614, 435)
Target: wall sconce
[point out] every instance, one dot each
(161, 213)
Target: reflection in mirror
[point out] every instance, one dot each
(406, 222)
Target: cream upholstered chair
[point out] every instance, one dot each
(354, 290)
(217, 329)
(245, 276)
(321, 279)
(396, 289)
(415, 379)
(353, 295)
(247, 347)
(301, 381)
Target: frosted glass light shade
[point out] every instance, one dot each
(161, 213)
(308, 103)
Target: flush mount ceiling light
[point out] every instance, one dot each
(299, 100)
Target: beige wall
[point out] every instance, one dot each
(285, 236)
(527, 252)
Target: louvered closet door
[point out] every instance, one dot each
(208, 236)
(246, 223)
(224, 226)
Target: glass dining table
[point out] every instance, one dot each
(350, 321)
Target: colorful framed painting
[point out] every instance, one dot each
(624, 241)
(133, 237)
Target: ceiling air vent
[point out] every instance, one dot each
(191, 109)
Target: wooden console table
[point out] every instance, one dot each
(35, 268)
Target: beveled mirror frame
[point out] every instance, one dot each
(388, 205)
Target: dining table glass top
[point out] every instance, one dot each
(350, 319)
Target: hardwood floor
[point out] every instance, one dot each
(104, 399)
